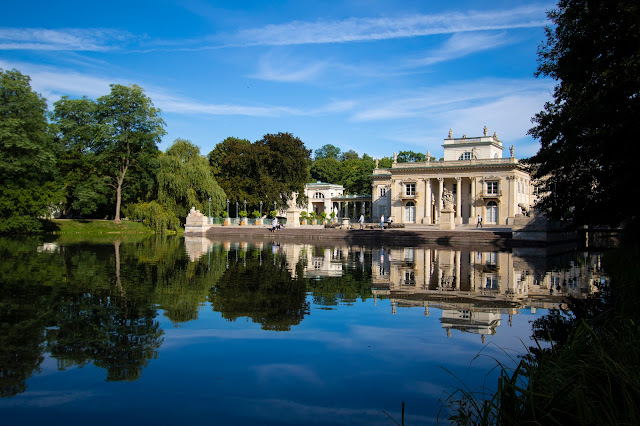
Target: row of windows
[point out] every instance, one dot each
(492, 187)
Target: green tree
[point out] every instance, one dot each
(327, 151)
(27, 160)
(586, 163)
(326, 170)
(185, 180)
(75, 127)
(410, 157)
(349, 155)
(130, 128)
(269, 170)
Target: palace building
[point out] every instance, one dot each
(483, 184)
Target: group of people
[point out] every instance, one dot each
(275, 225)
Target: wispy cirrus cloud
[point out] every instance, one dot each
(460, 45)
(71, 39)
(53, 83)
(369, 29)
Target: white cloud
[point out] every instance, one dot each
(75, 39)
(462, 44)
(366, 29)
(279, 67)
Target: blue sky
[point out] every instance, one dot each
(374, 76)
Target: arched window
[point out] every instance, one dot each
(318, 195)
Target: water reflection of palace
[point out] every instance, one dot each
(472, 289)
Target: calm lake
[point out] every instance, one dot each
(151, 330)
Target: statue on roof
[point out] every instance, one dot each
(376, 163)
(495, 135)
(395, 157)
(428, 156)
(464, 136)
(511, 151)
(485, 131)
(450, 133)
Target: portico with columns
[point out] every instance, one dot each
(482, 182)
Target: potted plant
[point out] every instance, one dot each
(256, 216)
(312, 215)
(227, 220)
(303, 218)
(333, 216)
(243, 215)
(324, 217)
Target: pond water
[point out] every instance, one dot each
(164, 330)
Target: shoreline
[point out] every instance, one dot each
(463, 236)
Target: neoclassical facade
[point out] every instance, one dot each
(482, 181)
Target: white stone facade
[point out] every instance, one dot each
(483, 184)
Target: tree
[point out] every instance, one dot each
(587, 160)
(76, 128)
(27, 160)
(349, 155)
(130, 128)
(410, 157)
(286, 160)
(327, 151)
(269, 170)
(185, 180)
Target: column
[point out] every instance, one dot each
(511, 208)
(439, 198)
(458, 219)
(473, 216)
(427, 201)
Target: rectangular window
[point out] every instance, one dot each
(410, 189)
(455, 188)
(492, 187)
(383, 191)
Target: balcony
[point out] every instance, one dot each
(406, 196)
(491, 194)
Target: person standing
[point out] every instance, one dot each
(381, 221)
(361, 220)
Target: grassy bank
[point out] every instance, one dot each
(96, 227)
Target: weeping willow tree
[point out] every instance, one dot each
(185, 180)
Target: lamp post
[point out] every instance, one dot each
(236, 209)
(274, 206)
(245, 205)
(260, 208)
(209, 210)
(227, 207)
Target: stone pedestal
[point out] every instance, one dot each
(196, 222)
(447, 219)
(293, 218)
(345, 223)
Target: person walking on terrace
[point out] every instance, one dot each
(479, 224)
(361, 220)
(381, 221)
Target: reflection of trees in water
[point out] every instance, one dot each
(97, 303)
(263, 291)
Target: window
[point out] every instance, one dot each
(383, 191)
(410, 189)
(318, 195)
(492, 187)
(455, 188)
(465, 156)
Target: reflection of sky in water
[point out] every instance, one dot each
(343, 365)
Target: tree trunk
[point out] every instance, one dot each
(119, 195)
